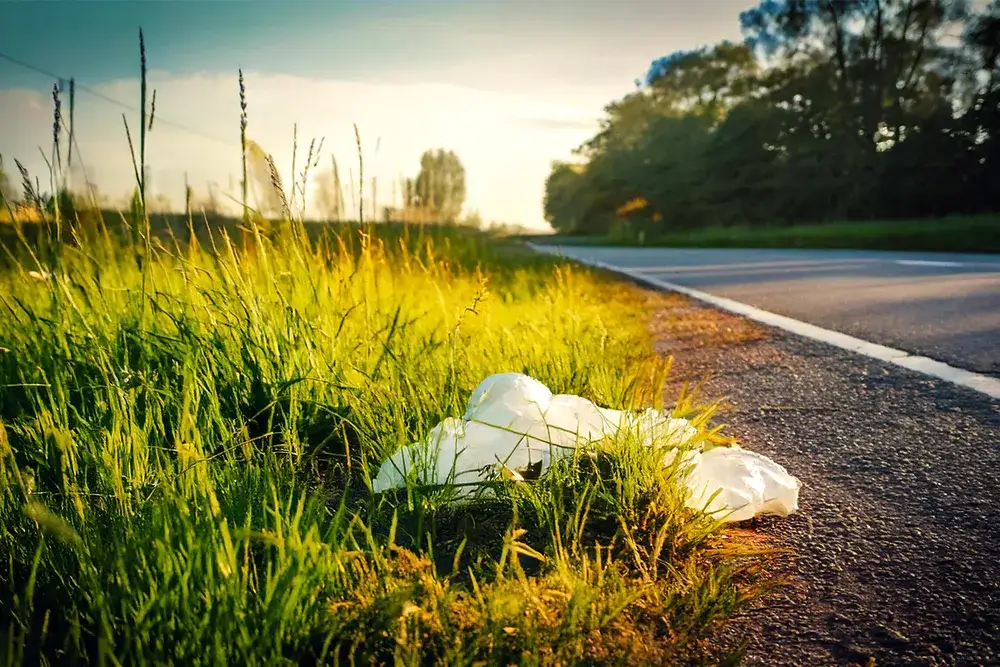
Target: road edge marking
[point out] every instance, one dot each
(925, 365)
(926, 262)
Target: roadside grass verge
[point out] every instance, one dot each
(186, 447)
(957, 234)
(191, 416)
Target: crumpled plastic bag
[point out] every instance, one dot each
(748, 484)
(514, 424)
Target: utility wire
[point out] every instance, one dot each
(160, 120)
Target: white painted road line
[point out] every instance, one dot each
(925, 262)
(977, 381)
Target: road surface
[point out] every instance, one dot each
(893, 552)
(942, 306)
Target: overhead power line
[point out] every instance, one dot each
(87, 89)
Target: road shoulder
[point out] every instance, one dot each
(894, 547)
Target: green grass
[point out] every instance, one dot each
(191, 416)
(186, 445)
(956, 234)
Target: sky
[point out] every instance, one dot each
(509, 85)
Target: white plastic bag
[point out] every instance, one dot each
(748, 485)
(514, 423)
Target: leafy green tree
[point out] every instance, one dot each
(562, 204)
(828, 110)
(706, 81)
(440, 185)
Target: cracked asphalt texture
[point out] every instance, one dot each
(896, 548)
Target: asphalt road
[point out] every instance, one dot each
(893, 553)
(942, 306)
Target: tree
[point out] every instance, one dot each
(708, 81)
(983, 38)
(830, 109)
(880, 58)
(562, 200)
(440, 185)
(473, 219)
(980, 126)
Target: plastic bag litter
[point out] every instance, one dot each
(748, 483)
(514, 424)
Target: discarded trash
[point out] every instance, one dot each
(516, 427)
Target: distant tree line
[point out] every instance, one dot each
(436, 194)
(829, 109)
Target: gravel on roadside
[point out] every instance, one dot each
(896, 548)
